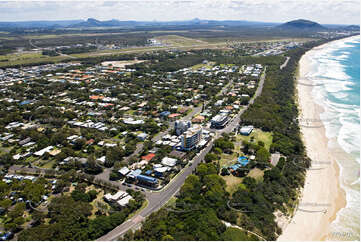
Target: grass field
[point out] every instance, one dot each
(199, 66)
(177, 40)
(99, 198)
(49, 164)
(28, 58)
(21, 56)
(256, 174)
(227, 160)
(232, 183)
(258, 135)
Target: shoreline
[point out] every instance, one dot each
(322, 195)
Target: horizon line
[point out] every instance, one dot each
(165, 21)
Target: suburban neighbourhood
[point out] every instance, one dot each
(100, 126)
(152, 130)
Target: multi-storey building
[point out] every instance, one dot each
(181, 126)
(191, 137)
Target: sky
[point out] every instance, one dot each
(321, 11)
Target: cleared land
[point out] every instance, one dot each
(172, 41)
(232, 183)
(209, 65)
(258, 135)
(27, 58)
(121, 64)
(177, 40)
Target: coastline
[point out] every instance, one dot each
(322, 196)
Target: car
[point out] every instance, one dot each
(136, 188)
(143, 189)
(129, 185)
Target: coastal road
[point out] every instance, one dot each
(158, 198)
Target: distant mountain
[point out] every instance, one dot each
(93, 23)
(39, 24)
(352, 28)
(301, 25)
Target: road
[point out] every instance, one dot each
(157, 199)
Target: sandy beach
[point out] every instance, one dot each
(322, 196)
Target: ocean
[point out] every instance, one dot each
(335, 70)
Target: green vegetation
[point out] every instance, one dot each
(69, 218)
(256, 136)
(197, 213)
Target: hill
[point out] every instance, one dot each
(91, 22)
(39, 24)
(94, 23)
(301, 25)
(352, 28)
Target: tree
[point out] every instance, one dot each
(167, 238)
(206, 169)
(261, 143)
(234, 234)
(79, 143)
(210, 157)
(33, 191)
(92, 195)
(17, 211)
(217, 150)
(80, 196)
(224, 171)
(262, 156)
(37, 217)
(92, 166)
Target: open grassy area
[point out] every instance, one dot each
(232, 183)
(177, 40)
(199, 66)
(258, 135)
(48, 165)
(21, 56)
(228, 159)
(4, 150)
(27, 58)
(256, 174)
(99, 198)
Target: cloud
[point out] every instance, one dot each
(330, 11)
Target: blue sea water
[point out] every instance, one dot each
(336, 70)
